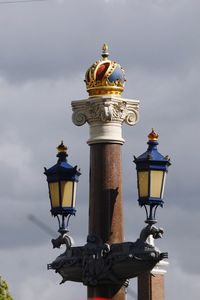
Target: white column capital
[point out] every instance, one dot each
(105, 115)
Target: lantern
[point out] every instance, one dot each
(62, 180)
(151, 169)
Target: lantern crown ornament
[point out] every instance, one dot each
(153, 136)
(62, 148)
(105, 77)
(151, 173)
(62, 179)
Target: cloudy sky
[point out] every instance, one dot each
(45, 49)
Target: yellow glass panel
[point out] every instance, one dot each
(74, 194)
(143, 183)
(54, 192)
(164, 178)
(67, 193)
(156, 183)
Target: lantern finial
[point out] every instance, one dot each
(62, 148)
(153, 136)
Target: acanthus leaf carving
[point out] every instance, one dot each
(105, 111)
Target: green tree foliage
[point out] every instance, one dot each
(4, 293)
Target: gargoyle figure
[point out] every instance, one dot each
(63, 239)
(151, 230)
(94, 264)
(95, 247)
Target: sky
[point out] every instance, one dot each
(45, 50)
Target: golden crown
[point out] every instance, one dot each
(105, 77)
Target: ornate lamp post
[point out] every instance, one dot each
(105, 262)
(151, 168)
(62, 180)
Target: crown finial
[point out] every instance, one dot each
(105, 52)
(153, 136)
(62, 148)
(105, 77)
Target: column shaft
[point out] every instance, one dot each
(105, 208)
(150, 287)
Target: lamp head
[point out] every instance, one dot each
(151, 169)
(62, 180)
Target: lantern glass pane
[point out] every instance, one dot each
(156, 183)
(74, 194)
(67, 193)
(163, 185)
(143, 183)
(54, 192)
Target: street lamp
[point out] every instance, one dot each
(151, 169)
(106, 261)
(62, 180)
(97, 262)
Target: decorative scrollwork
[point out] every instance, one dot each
(131, 118)
(79, 118)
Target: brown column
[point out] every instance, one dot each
(151, 287)
(105, 208)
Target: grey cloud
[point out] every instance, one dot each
(56, 40)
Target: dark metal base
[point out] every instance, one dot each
(97, 263)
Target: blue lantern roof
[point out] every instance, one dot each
(152, 159)
(62, 170)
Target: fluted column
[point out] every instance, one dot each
(105, 116)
